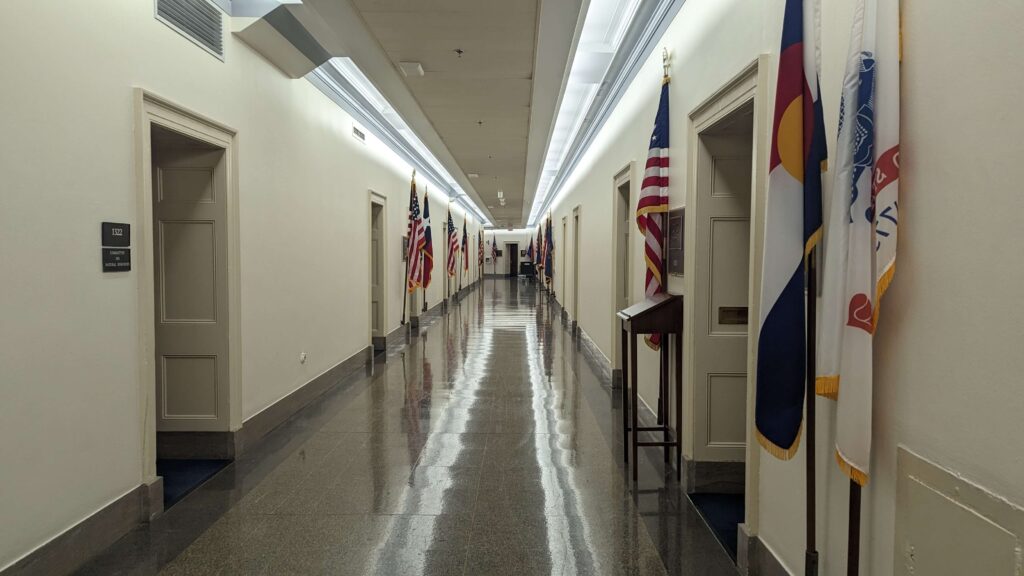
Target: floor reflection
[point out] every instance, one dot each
(485, 446)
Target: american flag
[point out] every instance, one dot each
(414, 263)
(494, 247)
(453, 245)
(653, 203)
(465, 247)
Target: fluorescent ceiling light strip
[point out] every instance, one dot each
(633, 38)
(342, 81)
(602, 32)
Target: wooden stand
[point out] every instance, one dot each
(660, 314)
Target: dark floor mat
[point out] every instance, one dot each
(723, 513)
(184, 476)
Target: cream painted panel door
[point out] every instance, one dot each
(720, 298)
(376, 272)
(190, 256)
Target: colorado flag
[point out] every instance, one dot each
(792, 228)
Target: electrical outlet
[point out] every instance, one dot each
(302, 358)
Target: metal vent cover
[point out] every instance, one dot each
(198, 20)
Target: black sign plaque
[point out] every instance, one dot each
(117, 259)
(116, 235)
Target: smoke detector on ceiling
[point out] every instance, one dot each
(411, 68)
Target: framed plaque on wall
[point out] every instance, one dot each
(676, 224)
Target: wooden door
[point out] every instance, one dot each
(191, 297)
(722, 218)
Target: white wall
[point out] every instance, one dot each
(70, 422)
(947, 363)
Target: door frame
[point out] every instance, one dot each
(149, 110)
(508, 259)
(565, 249)
(751, 84)
(623, 176)
(373, 197)
(575, 267)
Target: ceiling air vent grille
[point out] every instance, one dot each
(198, 20)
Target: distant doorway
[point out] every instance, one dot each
(621, 220)
(575, 268)
(513, 259)
(565, 240)
(378, 328)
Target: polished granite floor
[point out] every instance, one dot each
(487, 444)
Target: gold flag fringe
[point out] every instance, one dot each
(827, 386)
(851, 471)
(778, 451)
(812, 242)
(880, 289)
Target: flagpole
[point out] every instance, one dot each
(425, 288)
(811, 554)
(422, 272)
(853, 538)
(404, 292)
(447, 239)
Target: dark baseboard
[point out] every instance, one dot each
(380, 343)
(714, 477)
(617, 378)
(277, 413)
(433, 311)
(596, 359)
(397, 336)
(152, 504)
(754, 558)
(77, 545)
(196, 445)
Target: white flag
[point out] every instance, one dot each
(861, 235)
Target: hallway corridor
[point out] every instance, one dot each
(486, 446)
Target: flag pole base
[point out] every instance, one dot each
(811, 563)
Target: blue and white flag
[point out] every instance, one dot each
(860, 241)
